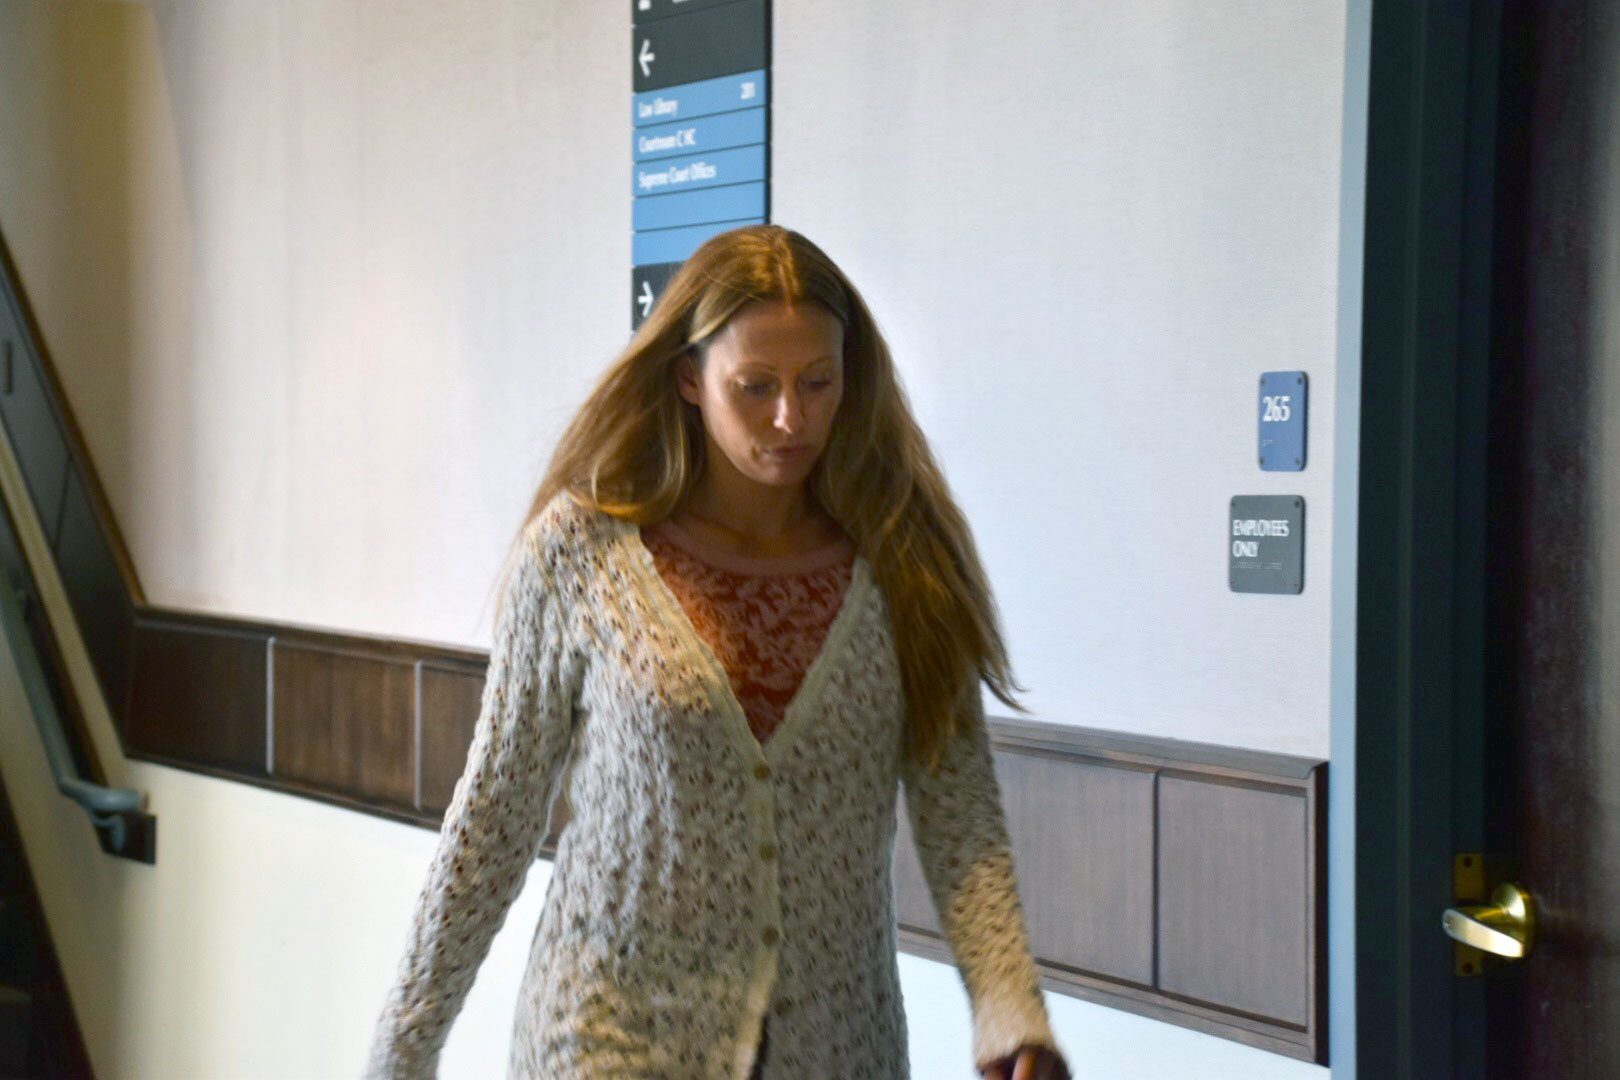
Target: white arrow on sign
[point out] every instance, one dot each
(647, 58)
(646, 298)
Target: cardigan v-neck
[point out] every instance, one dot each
(734, 562)
(703, 882)
(726, 601)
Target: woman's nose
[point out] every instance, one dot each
(789, 412)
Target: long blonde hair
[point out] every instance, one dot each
(635, 450)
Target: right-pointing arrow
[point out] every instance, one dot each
(647, 57)
(646, 298)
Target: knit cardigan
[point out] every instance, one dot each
(704, 881)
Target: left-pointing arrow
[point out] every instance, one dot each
(646, 298)
(647, 57)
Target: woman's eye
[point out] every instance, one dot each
(819, 384)
(756, 389)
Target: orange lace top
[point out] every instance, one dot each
(764, 619)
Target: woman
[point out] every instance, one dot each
(743, 607)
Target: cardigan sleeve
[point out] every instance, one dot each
(961, 836)
(492, 830)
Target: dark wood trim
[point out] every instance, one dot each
(344, 719)
(403, 649)
(199, 693)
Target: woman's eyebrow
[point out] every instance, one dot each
(752, 366)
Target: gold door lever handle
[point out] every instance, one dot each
(1506, 926)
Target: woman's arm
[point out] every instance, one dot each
(493, 827)
(961, 835)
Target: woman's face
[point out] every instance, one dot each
(768, 389)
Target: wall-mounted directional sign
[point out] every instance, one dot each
(700, 131)
(1265, 539)
(646, 286)
(1282, 420)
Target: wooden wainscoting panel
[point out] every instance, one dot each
(97, 593)
(199, 695)
(449, 705)
(1082, 837)
(1234, 905)
(1206, 859)
(41, 449)
(343, 720)
(448, 710)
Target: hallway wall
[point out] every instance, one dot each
(324, 281)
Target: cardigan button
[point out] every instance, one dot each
(762, 771)
(769, 935)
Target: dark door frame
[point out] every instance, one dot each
(1411, 732)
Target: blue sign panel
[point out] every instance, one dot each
(674, 245)
(722, 132)
(700, 132)
(1282, 421)
(732, 203)
(725, 94)
(740, 166)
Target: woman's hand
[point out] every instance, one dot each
(1029, 1063)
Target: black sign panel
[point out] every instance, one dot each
(646, 286)
(1266, 538)
(705, 44)
(647, 10)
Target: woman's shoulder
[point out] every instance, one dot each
(567, 528)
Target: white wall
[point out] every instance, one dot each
(351, 265)
(324, 280)
(1087, 229)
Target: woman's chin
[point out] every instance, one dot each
(777, 470)
(780, 475)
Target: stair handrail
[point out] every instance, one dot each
(114, 811)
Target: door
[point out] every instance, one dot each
(1486, 711)
(1555, 543)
